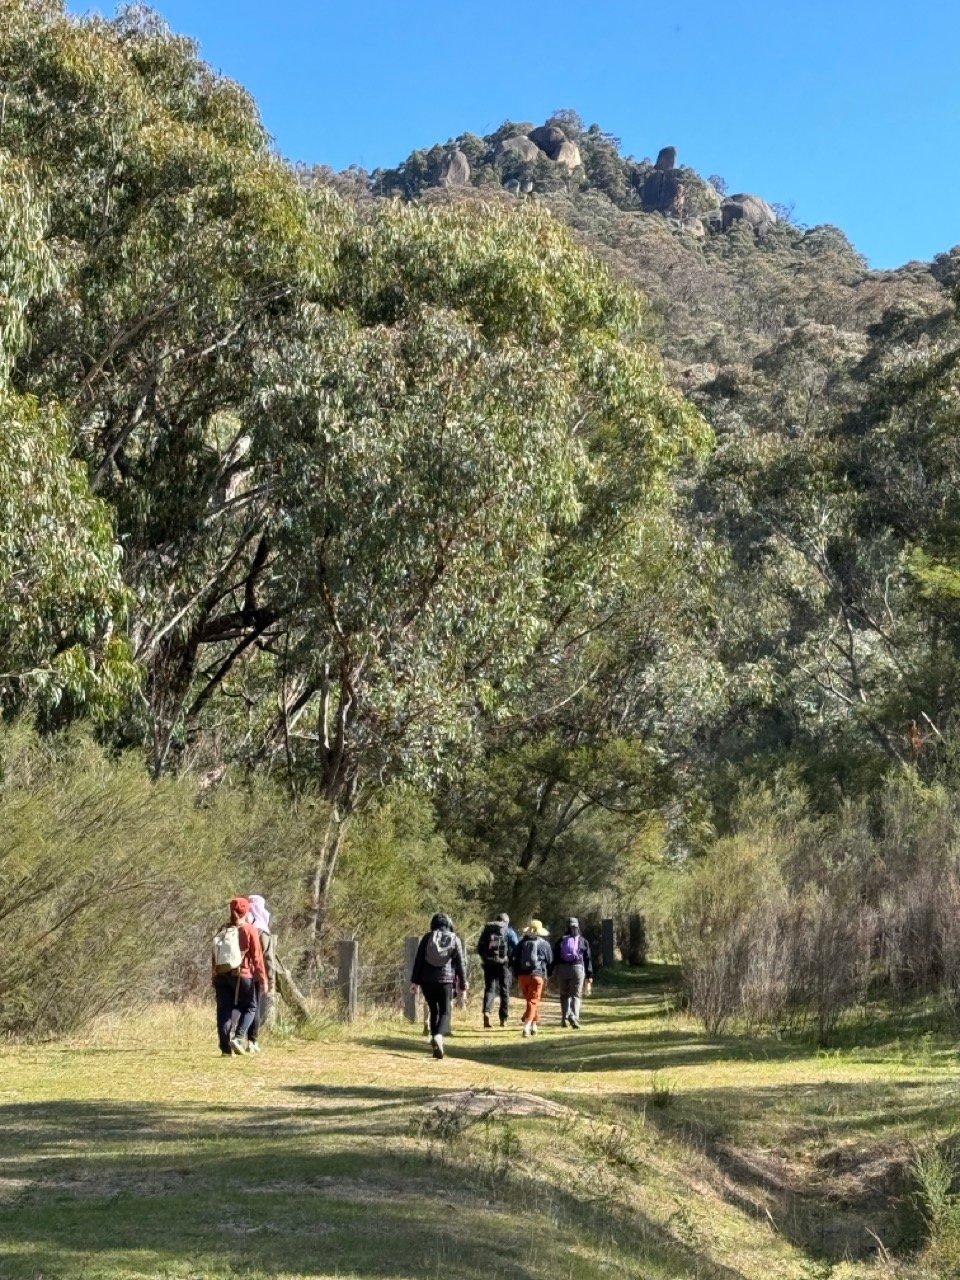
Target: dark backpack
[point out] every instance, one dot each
(440, 947)
(494, 949)
(570, 949)
(528, 957)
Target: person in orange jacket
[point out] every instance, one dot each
(239, 974)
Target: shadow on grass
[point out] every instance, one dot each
(829, 1164)
(125, 1191)
(579, 1051)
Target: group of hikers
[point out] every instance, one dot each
(440, 972)
(245, 965)
(244, 975)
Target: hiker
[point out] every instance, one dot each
(574, 969)
(534, 966)
(266, 998)
(439, 964)
(496, 948)
(238, 971)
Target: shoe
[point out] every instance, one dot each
(226, 1053)
(534, 1028)
(574, 1024)
(486, 1022)
(563, 1022)
(503, 1022)
(526, 1030)
(236, 1046)
(437, 1047)
(252, 1046)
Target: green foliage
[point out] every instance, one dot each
(935, 1173)
(435, 447)
(404, 491)
(114, 884)
(111, 884)
(60, 587)
(395, 872)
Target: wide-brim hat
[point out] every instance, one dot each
(536, 926)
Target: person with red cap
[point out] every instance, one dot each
(239, 973)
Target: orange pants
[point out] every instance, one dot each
(532, 987)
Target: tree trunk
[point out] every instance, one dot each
(318, 891)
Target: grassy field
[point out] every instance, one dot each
(635, 1147)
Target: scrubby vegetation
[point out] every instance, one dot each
(527, 525)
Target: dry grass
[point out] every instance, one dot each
(635, 1147)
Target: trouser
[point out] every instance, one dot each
(263, 1011)
(439, 998)
(570, 982)
(233, 993)
(532, 986)
(496, 982)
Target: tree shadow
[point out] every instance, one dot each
(579, 1052)
(149, 1190)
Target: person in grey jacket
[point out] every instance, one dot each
(573, 965)
(439, 965)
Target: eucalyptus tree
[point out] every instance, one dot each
(61, 594)
(357, 455)
(456, 451)
(179, 243)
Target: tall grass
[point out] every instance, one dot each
(796, 918)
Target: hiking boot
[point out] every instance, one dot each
(486, 1022)
(534, 1028)
(526, 1030)
(437, 1046)
(236, 1046)
(252, 1046)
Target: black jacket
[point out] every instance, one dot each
(453, 970)
(494, 926)
(585, 957)
(544, 958)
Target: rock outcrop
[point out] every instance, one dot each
(456, 172)
(518, 144)
(568, 154)
(662, 192)
(743, 207)
(667, 159)
(549, 138)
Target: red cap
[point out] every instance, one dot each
(240, 906)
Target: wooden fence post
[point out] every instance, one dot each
(637, 940)
(607, 941)
(347, 956)
(409, 997)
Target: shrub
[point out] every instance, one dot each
(110, 882)
(794, 919)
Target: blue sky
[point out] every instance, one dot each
(847, 110)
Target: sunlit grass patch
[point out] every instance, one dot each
(135, 1150)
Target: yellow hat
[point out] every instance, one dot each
(536, 926)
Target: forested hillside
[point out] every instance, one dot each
(521, 527)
